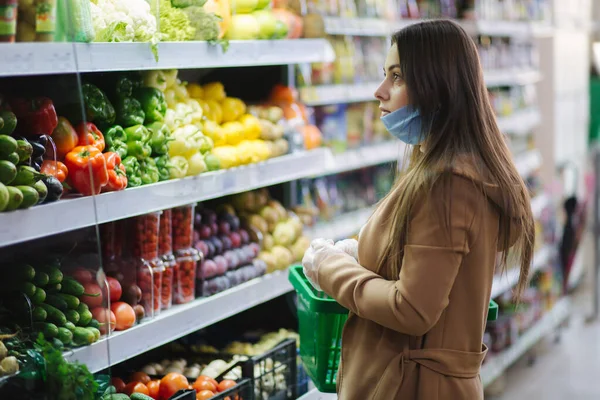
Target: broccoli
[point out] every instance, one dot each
(206, 24)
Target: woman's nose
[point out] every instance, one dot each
(381, 93)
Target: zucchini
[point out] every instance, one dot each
(41, 279)
(72, 301)
(72, 316)
(57, 301)
(54, 314)
(49, 330)
(39, 297)
(71, 286)
(83, 337)
(65, 335)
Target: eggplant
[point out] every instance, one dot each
(38, 149)
(55, 188)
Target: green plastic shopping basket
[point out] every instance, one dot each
(321, 320)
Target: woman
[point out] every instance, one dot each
(418, 281)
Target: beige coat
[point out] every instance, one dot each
(419, 337)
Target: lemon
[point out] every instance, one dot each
(216, 112)
(233, 132)
(252, 126)
(214, 91)
(215, 132)
(227, 156)
(233, 109)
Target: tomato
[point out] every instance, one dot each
(170, 384)
(118, 384)
(204, 395)
(207, 378)
(83, 275)
(135, 387)
(153, 389)
(102, 315)
(124, 314)
(225, 384)
(204, 384)
(139, 377)
(92, 301)
(115, 289)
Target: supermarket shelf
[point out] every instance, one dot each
(377, 27)
(511, 77)
(342, 226)
(496, 365)
(67, 215)
(506, 281)
(180, 321)
(58, 58)
(528, 162)
(335, 94)
(367, 156)
(521, 122)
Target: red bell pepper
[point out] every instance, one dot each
(87, 169)
(117, 175)
(35, 116)
(90, 135)
(56, 169)
(65, 138)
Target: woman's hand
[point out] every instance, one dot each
(348, 246)
(316, 253)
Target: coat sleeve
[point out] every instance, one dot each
(432, 257)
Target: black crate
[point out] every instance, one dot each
(184, 394)
(242, 391)
(274, 373)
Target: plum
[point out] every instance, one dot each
(234, 222)
(196, 235)
(244, 256)
(217, 244)
(204, 232)
(255, 247)
(222, 264)
(236, 240)
(203, 248)
(209, 269)
(227, 244)
(214, 229)
(224, 228)
(197, 219)
(244, 235)
(260, 266)
(232, 258)
(209, 216)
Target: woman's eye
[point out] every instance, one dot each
(397, 77)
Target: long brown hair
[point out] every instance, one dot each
(440, 66)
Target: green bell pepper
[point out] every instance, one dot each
(132, 167)
(124, 84)
(159, 138)
(163, 163)
(153, 103)
(115, 132)
(118, 147)
(98, 108)
(137, 133)
(139, 150)
(129, 111)
(149, 172)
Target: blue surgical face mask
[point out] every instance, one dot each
(405, 124)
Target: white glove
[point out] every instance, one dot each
(348, 246)
(311, 261)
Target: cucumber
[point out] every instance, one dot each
(24, 150)
(8, 172)
(28, 289)
(4, 197)
(41, 279)
(72, 301)
(65, 335)
(13, 158)
(53, 289)
(55, 300)
(85, 319)
(7, 145)
(71, 286)
(22, 272)
(10, 122)
(72, 316)
(82, 308)
(15, 198)
(42, 190)
(118, 396)
(70, 326)
(54, 314)
(26, 176)
(58, 344)
(140, 396)
(30, 196)
(39, 297)
(95, 331)
(55, 275)
(39, 314)
(82, 336)
(48, 329)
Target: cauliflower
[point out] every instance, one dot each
(206, 24)
(123, 21)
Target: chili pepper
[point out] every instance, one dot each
(160, 136)
(90, 135)
(148, 172)
(35, 116)
(139, 150)
(163, 163)
(98, 108)
(79, 162)
(55, 169)
(117, 174)
(153, 103)
(65, 137)
(116, 140)
(132, 167)
(129, 111)
(137, 133)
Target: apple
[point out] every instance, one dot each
(243, 6)
(243, 26)
(267, 24)
(236, 240)
(114, 288)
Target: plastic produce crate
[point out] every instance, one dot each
(274, 373)
(321, 320)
